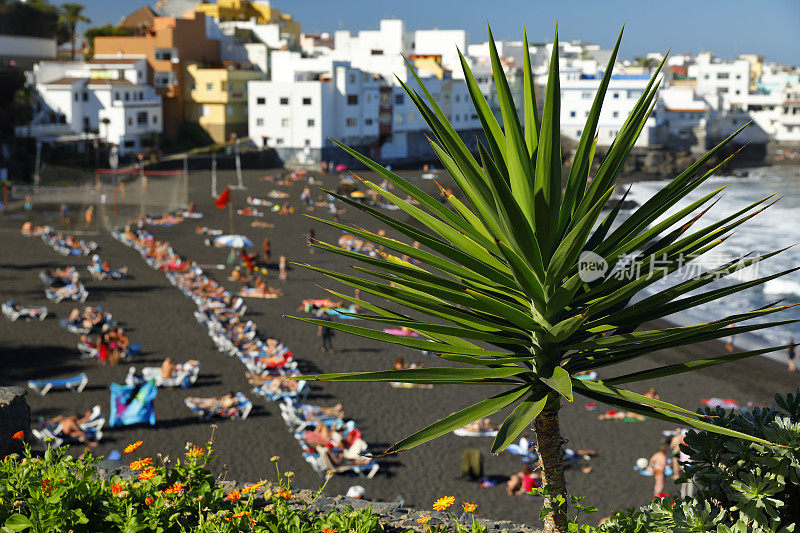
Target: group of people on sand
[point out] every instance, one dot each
(673, 455)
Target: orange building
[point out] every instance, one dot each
(169, 44)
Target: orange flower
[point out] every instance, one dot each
(424, 519)
(141, 463)
(148, 500)
(18, 435)
(330, 530)
(233, 496)
(115, 489)
(252, 488)
(133, 447)
(148, 473)
(241, 514)
(285, 494)
(46, 484)
(470, 507)
(195, 451)
(176, 488)
(443, 503)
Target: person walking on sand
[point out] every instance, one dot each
(310, 238)
(679, 458)
(658, 462)
(87, 216)
(266, 248)
(282, 267)
(791, 352)
(325, 332)
(64, 211)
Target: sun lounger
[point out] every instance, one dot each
(367, 471)
(240, 410)
(14, 311)
(75, 384)
(54, 295)
(301, 392)
(184, 378)
(50, 434)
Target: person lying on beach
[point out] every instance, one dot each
(274, 384)
(321, 435)
(259, 224)
(400, 364)
(484, 424)
(237, 275)
(312, 412)
(70, 426)
(29, 230)
(523, 482)
(260, 291)
(207, 231)
(169, 369)
(225, 402)
(340, 458)
(628, 416)
(66, 291)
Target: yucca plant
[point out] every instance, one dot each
(499, 285)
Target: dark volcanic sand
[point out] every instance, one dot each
(159, 317)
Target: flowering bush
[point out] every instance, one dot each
(57, 492)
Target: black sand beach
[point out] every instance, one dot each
(158, 316)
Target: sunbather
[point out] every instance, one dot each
(484, 424)
(523, 482)
(227, 401)
(274, 384)
(70, 426)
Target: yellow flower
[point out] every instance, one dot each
(274, 458)
(148, 473)
(252, 488)
(195, 451)
(443, 503)
(141, 463)
(470, 507)
(133, 447)
(424, 519)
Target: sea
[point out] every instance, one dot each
(770, 230)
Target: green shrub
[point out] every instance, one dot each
(57, 492)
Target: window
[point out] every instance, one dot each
(376, 52)
(398, 99)
(130, 121)
(572, 114)
(351, 122)
(163, 79)
(738, 76)
(634, 94)
(578, 133)
(141, 118)
(209, 87)
(307, 142)
(116, 96)
(307, 100)
(261, 100)
(368, 122)
(586, 95)
(85, 97)
(284, 122)
(616, 95)
(279, 140)
(398, 118)
(164, 54)
(284, 100)
(130, 144)
(155, 119)
(722, 90)
(723, 75)
(310, 123)
(458, 98)
(705, 77)
(615, 114)
(737, 91)
(352, 78)
(76, 97)
(352, 99)
(259, 122)
(86, 123)
(458, 118)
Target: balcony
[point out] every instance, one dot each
(147, 102)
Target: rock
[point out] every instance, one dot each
(15, 415)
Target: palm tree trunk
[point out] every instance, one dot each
(548, 445)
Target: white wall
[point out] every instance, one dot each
(445, 43)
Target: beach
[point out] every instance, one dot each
(157, 315)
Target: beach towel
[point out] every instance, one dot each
(132, 404)
(725, 403)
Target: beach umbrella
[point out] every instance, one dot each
(233, 241)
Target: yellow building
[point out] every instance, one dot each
(429, 65)
(217, 99)
(261, 10)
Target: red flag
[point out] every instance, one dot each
(223, 199)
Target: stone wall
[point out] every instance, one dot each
(14, 416)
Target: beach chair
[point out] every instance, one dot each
(49, 434)
(80, 295)
(13, 311)
(367, 471)
(301, 392)
(75, 384)
(183, 378)
(240, 410)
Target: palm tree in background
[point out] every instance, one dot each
(528, 287)
(71, 15)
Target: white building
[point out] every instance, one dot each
(720, 82)
(577, 96)
(684, 119)
(107, 99)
